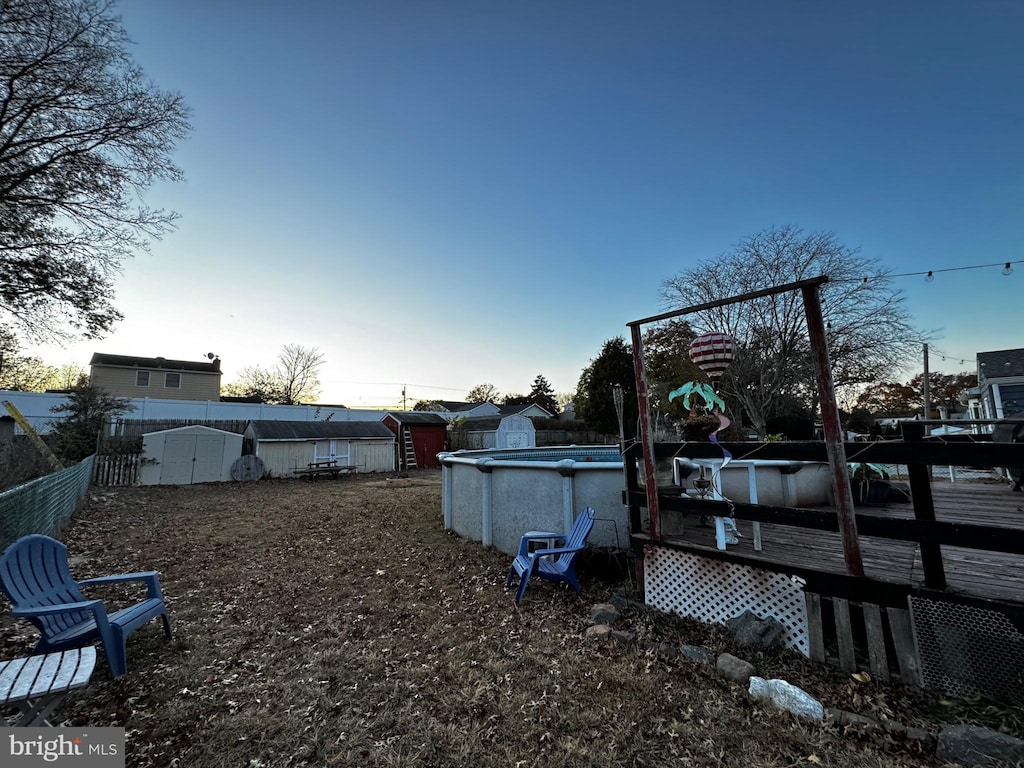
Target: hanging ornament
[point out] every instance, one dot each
(712, 353)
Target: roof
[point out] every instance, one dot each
(455, 405)
(482, 423)
(1000, 364)
(515, 410)
(318, 430)
(126, 361)
(418, 417)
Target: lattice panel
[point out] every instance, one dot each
(967, 650)
(715, 591)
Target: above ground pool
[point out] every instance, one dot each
(494, 496)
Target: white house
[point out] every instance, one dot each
(1001, 384)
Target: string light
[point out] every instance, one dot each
(929, 275)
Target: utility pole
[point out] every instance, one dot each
(403, 397)
(926, 392)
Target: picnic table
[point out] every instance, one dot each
(36, 684)
(329, 467)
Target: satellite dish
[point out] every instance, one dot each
(210, 355)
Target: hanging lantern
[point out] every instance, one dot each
(712, 353)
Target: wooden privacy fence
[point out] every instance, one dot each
(117, 468)
(45, 504)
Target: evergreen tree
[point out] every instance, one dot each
(594, 402)
(543, 395)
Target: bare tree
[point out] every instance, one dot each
(298, 369)
(868, 327)
(83, 133)
(294, 379)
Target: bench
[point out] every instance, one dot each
(36, 684)
(329, 467)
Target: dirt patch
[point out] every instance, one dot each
(337, 623)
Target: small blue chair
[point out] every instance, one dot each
(34, 574)
(551, 564)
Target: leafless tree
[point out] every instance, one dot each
(869, 331)
(83, 134)
(294, 379)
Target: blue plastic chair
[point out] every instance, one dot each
(553, 563)
(35, 576)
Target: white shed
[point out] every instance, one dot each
(285, 446)
(188, 455)
(499, 432)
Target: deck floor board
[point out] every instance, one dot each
(994, 575)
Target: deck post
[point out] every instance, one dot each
(833, 432)
(924, 507)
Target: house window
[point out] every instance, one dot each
(1012, 397)
(142, 378)
(172, 381)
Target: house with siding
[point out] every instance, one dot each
(125, 376)
(1001, 384)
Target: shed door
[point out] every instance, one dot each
(335, 450)
(179, 456)
(209, 457)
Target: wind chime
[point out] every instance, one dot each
(712, 353)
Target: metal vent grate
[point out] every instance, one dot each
(967, 650)
(716, 591)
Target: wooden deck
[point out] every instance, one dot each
(992, 575)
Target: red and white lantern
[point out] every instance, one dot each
(712, 353)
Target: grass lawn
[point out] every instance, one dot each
(337, 623)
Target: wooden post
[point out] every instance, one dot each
(646, 436)
(924, 508)
(833, 432)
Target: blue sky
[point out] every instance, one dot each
(440, 194)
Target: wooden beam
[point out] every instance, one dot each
(833, 432)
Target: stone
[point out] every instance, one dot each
(972, 745)
(788, 697)
(735, 669)
(697, 654)
(627, 604)
(604, 613)
(751, 630)
(598, 632)
(622, 638)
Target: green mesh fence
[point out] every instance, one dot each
(43, 505)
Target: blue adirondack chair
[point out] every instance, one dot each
(553, 563)
(35, 576)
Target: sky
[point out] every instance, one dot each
(442, 194)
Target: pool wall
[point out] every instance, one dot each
(495, 496)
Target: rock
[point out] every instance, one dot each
(972, 745)
(697, 654)
(788, 697)
(667, 651)
(626, 604)
(735, 669)
(622, 638)
(602, 633)
(751, 630)
(604, 613)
